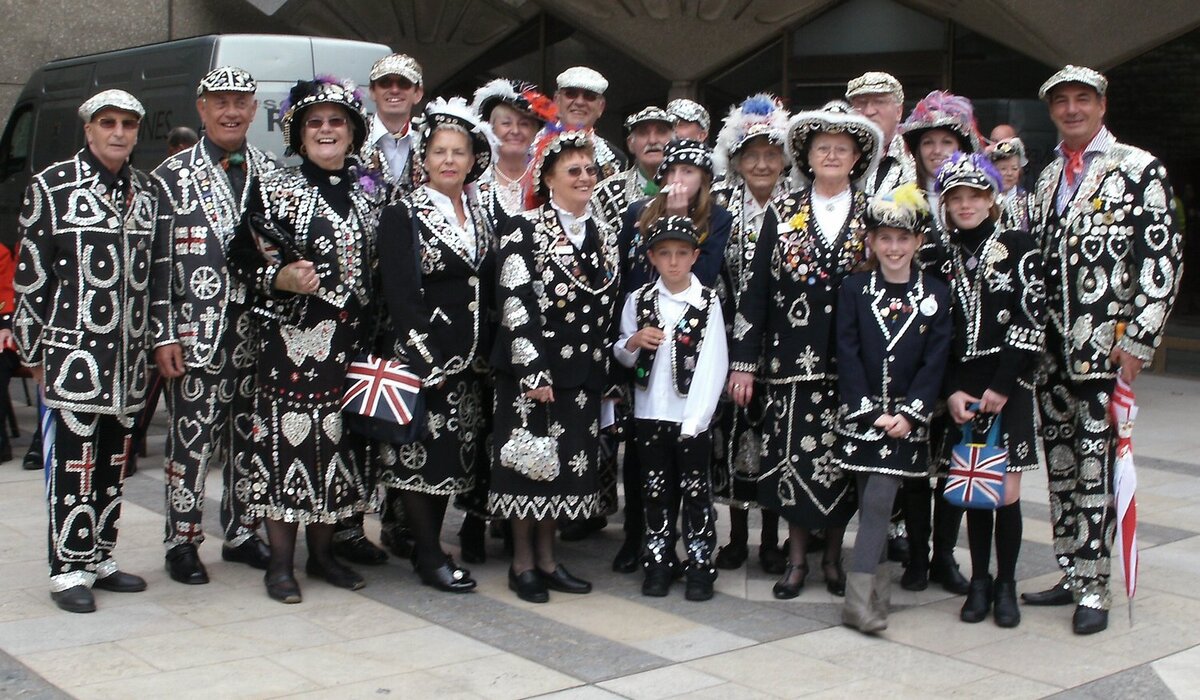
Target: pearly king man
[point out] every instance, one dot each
(200, 325)
(82, 307)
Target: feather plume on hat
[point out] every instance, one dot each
(759, 115)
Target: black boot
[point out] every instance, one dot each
(1006, 612)
(947, 520)
(979, 600)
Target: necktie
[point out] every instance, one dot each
(234, 160)
(1074, 167)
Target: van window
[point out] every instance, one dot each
(15, 146)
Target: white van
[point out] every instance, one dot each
(44, 127)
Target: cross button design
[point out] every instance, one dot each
(84, 467)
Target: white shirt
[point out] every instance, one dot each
(575, 226)
(935, 203)
(659, 400)
(395, 150)
(831, 213)
(466, 233)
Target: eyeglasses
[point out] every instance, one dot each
(111, 123)
(839, 151)
(388, 82)
(577, 170)
(577, 93)
(315, 123)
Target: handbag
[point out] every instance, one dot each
(977, 470)
(383, 400)
(273, 241)
(531, 456)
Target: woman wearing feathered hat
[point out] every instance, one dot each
(437, 248)
(516, 111)
(557, 291)
(999, 335)
(783, 332)
(314, 287)
(751, 152)
(939, 125)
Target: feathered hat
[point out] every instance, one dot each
(905, 207)
(456, 111)
(835, 117)
(550, 141)
(974, 170)
(942, 110)
(519, 95)
(759, 115)
(324, 89)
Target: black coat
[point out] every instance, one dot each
(635, 267)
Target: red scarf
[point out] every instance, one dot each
(1075, 165)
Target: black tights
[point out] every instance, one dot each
(282, 537)
(798, 549)
(425, 514)
(1008, 529)
(533, 544)
(739, 527)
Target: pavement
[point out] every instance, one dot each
(397, 638)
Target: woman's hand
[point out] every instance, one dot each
(678, 199)
(740, 387)
(543, 394)
(299, 277)
(648, 338)
(957, 403)
(992, 402)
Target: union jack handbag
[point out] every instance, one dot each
(383, 400)
(977, 470)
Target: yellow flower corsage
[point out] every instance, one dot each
(798, 221)
(1097, 203)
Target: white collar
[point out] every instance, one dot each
(844, 194)
(568, 218)
(378, 130)
(693, 295)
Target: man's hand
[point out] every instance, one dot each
(169, 359)
(740, 387)
(1128, 365)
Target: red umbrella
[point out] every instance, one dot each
(1124, 412)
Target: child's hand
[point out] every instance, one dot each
(957, 403)
(992, 402)
(648, 338)
(900, 427)
(678, 199)
(883, 422)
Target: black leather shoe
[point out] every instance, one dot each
(944, 570)
(360, 550)
(657, 583)
(916, 575)
(184, 565)
(76, 599)
(1089, 620)
(626, 561)
(283, 587)
(447, 579)
(784, 589)
(528, 586)
(732, 556)
(6, 454)
(699, 586)
(1005, 610)
(33, 462)
(979, 600)
(253, 552)
(563, 581)
(576, 530)
(1058, 594)
(835, 577)
(121, 582)
(336, 574)
(772, 559)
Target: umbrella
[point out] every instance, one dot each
(1124, 412)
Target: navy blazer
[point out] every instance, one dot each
(898, 371)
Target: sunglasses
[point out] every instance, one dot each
(576, 93)
(128, 124)
(577, 170)
(388, 82)
(316, 123)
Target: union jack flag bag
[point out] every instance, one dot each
(977, 470)
(383, 400)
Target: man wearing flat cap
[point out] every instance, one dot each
(397, 87)
(200, 326)
(81, 320)
(580, 101)
(880, 97)
(648, 132)
(690, 118)
(1112, 249)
